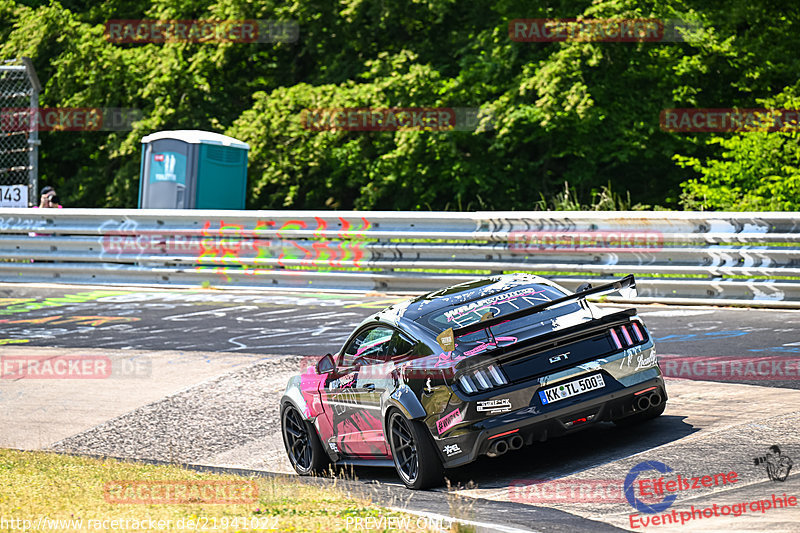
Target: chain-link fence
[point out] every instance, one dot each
(19, 146)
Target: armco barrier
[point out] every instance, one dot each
(680, 256)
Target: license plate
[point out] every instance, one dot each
(572, 388)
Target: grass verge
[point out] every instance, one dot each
(53, 492)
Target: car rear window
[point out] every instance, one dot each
(500, 304)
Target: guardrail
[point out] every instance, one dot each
(749, 258)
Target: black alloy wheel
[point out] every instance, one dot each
(302, 444)
(415, 459)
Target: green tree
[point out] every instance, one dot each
(753, 171)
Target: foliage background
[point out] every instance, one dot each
(574, 124)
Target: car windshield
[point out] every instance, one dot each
(500, 304)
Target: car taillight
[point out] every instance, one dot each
(615, 337)
(482, 379)
(637, 331)
(627, 335)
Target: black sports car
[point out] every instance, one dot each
(474, 369)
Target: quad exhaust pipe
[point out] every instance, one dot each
(497, 448)
(647, 401)
(501, 446)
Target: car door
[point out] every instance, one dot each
(375, 379)
(354, 393)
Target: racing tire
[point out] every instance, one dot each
(415, 457)
(648, 414)
(302, 443)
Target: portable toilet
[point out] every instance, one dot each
(192, 169)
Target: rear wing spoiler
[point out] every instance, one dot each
(625, 286)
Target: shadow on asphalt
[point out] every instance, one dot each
(600, 444)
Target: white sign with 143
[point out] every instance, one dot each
(13, 196)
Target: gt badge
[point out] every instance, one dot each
(559, 357)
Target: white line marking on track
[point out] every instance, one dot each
(675, 312)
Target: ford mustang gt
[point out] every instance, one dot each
(474, 369)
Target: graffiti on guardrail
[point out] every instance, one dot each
(511, 224)
(692, 225)
(281, 252)
(19, 224)
(220, 245)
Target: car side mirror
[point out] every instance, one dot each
(584, 287)
(325, 364)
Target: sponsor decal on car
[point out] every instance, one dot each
(500, 298)
(499, 405)
(333, 447)
(451, 449)
(446, 340)
(627, 359)
(342, 382)
(650, 361)
(449, 420)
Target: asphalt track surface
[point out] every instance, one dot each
(305, 324)
(205, 347)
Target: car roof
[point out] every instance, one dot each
(455, 295)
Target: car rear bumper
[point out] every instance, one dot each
(532, 425)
